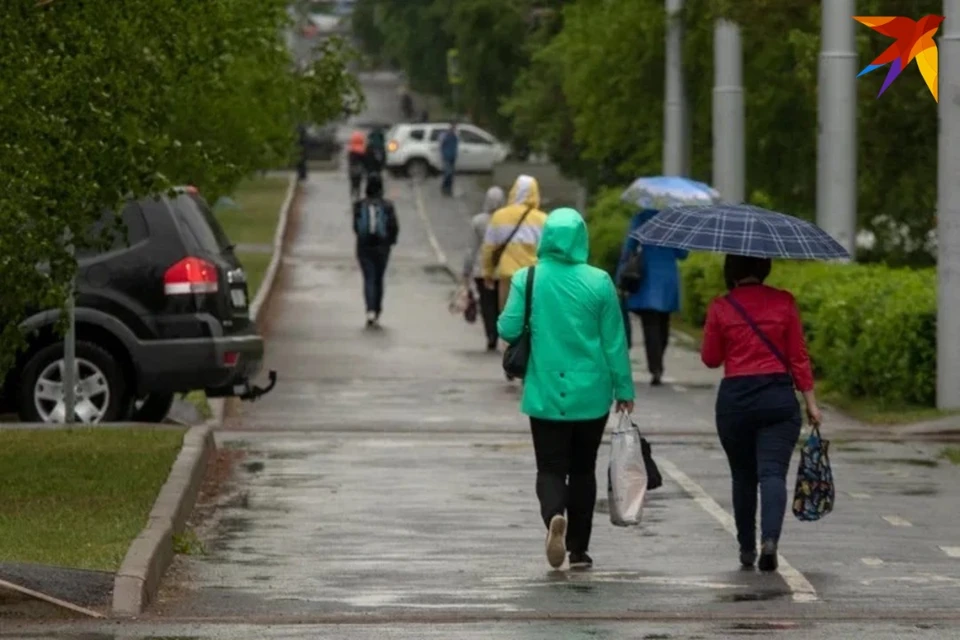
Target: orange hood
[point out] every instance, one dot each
(358, 142)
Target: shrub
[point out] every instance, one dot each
(608, 219)
(870, 330)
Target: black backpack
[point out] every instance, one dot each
(633, 272)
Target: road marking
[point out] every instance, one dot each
(799, 586)
(422, 212)
(953, 552)
(871, 562)
(859, 496)
(897, 521)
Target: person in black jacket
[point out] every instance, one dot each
(376, 227)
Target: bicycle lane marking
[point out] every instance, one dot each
(799, 586)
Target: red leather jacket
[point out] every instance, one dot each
(729, 341)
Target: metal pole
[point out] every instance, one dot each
(676, 126)
(728, 113)
(837, 126)
(948, 212)
(69, 377)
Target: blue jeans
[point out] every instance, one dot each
(449, 168)
(758, 420)
(373, 264)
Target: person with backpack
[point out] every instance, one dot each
(376, 227)
(356, 163)
(657, 292)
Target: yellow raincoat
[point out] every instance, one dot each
(522, 249)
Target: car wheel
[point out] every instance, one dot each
(101, 394)
(418, 169)
(153, 407)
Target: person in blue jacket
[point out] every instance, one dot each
(449, 148)
(658, 295)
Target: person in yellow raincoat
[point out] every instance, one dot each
(512, 236)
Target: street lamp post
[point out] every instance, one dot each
(948, 212)
(837, 120)
(676, 130)
(728, 114)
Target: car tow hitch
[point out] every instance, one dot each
(251, 393)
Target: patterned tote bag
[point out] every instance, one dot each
(814, 494)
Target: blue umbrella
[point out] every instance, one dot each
(739, 229)
(660, 192)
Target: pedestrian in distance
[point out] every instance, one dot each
(303, 141)
(473, 270)
(755, 333)
(356, 163)
(578, 367)
(376, 150)
(658, 295)
(376, 227)
(449, 148)
(513, 233)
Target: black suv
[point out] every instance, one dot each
(164, 310)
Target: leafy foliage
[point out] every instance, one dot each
(104, 101)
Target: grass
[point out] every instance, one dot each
(952, 454)
(252, 222)
(867, 410)
(78, 498)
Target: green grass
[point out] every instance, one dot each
(253, 221)
(952, 454)
(78, 498)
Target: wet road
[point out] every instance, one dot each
(388, 492)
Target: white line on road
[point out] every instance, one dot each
(871, 562)
(953, 552)
(897, 521)
(422, 212)
(801, 588)
(860, 496)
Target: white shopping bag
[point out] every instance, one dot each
(626, 475)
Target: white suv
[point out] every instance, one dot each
(414, 149)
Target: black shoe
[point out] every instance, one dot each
(580, 561)
(656, 381)
(492, 346)
(768, 556)
(747, 558)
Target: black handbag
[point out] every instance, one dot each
(517, 355)
(633, 272)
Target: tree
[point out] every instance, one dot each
(105, 101)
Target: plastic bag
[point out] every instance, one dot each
(626, 475)
(460, 300)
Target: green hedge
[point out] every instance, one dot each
(870, 330)
(608, 220)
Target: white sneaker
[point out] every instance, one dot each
(557, 541)
(371, 318)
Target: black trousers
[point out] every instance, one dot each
(489, 310)
(656, 334)
(566, 454)
(373, 265)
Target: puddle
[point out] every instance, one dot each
(287, 455)
(743, 628)
(928, 490)
(253, 467)
(759, 596)
(913, 462)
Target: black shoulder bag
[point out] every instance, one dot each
(760, 334)
(517, 355)
(498, 251)
(632, 274)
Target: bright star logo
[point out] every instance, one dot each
(914, 40)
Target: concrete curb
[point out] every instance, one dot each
(442, 260)
(218, 405)
(151, 552)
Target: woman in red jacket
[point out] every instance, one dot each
(755, 333)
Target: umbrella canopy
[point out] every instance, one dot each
(668, 191)
(741, 230)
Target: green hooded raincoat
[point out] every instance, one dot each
(579, 362)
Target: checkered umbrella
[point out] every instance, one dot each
(658, 192)
(738, 229)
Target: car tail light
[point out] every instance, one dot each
(190, 275)
(392, 146)
(230, 358)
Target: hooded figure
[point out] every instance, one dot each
(510, 242)
(356, 162)
(578, 367)
(472, 269)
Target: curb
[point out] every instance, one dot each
(218, 405)
(442, 261)
(151, 552)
